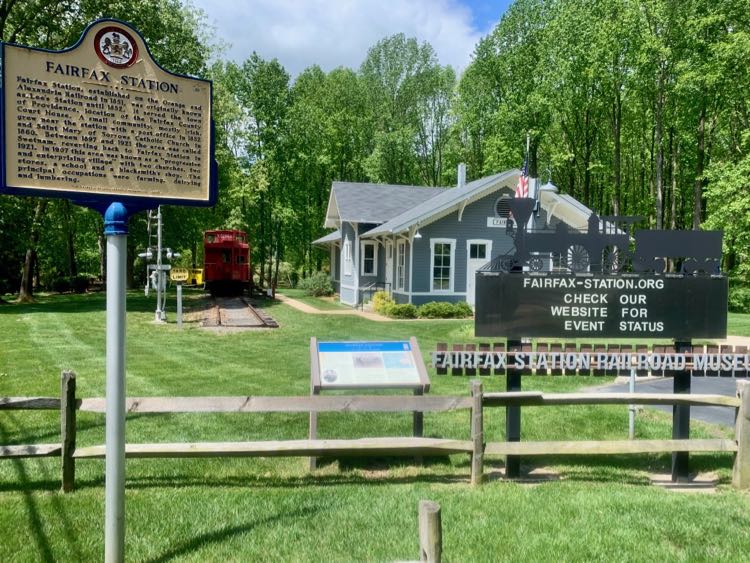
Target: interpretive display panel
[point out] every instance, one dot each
(103, 120)
(602, 306)
(353, 365)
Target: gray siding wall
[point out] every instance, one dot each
(473, 225)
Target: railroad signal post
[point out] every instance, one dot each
(103, 125)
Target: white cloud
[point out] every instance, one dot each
(334, 33)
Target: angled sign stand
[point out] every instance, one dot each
(103, 125)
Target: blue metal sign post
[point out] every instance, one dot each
(116, 231)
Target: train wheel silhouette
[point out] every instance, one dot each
(578, 258)
(536, 264)
(611, 262)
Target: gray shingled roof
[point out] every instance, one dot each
(446, 201)
(377, 203)
(335, 236)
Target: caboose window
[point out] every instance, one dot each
(210, 238)
(240, 259)
(369, 259)
(225, 257)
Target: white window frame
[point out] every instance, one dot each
(487, 246)
(452, 267)
(362, 245)
(400, 268)
(346, 254)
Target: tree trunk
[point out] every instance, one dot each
(675, 192)
(617, 165)
(70, 238)
(26, 292)
(699, 164)
(658, 146)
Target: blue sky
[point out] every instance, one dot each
(333, 33)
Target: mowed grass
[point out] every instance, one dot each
(323, 303)
(600, 508)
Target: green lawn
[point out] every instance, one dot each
(322, 303)
(273, 509)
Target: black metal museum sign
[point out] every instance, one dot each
(602, 282)
(602, 306)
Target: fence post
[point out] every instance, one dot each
(741, 470)
(477, 433)
(430, 532)
(68, 429)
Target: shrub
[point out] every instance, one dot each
(436, 310)
(463, 310)
(444, 310)
(402, 311)
(739, 299)
(317, 285)
(60, 285)
(79, 284)
(381, 301)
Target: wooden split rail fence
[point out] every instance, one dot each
(477, 446)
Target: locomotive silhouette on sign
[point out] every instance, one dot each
(606, 247)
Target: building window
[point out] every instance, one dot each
(347, 255)
(369, 259)
(442, 264)
(478, 251)
(401, 265)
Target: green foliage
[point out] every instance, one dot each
(444, 310)
(317, 285)
(739, 298)
(383, 304)
(76, 284)
(60, 285)
(401, 311)
(381, 300)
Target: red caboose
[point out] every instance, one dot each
(227, 269)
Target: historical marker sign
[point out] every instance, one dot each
(102, 121)
(372, 365)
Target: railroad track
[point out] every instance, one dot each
(237, 312)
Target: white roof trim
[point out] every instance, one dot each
(445, 203)
(566, 209)
(333, 218)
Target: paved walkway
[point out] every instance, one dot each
(305, 308)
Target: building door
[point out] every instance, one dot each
(477, 255)
(389, 266)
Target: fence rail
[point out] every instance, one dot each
(477, 446)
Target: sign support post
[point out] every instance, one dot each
(681, 418)
(513, 413)
(116, 231)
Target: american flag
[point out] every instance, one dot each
(522, 190)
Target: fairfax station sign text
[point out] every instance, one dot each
(602, 306)
(542, 361)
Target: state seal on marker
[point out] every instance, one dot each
(115, 47)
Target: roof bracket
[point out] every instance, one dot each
(461, 209)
